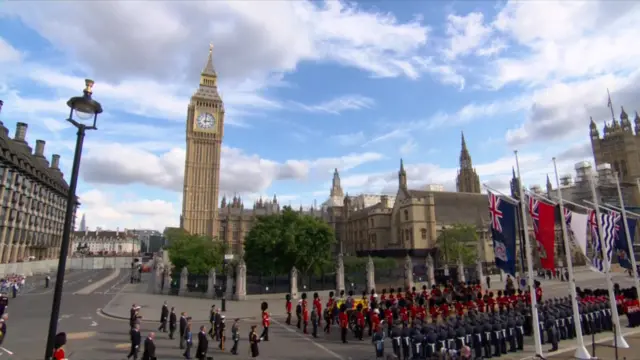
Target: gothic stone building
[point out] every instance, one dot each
(413, 219)
(33, 197)
(105, 243)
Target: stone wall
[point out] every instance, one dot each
(44, 266)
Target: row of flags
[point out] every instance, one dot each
(544, 214)
(598, 227)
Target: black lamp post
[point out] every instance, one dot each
(84, 108)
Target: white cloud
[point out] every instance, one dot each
(8, 54)
(110, 211)
(120, 164)
(467, 34)
(408, 147)
(340, 104)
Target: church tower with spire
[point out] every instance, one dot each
(204, 134)
(618, 145)
(468, 180)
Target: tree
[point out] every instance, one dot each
(278, 242)
(458, 241)
(173, 233)
(199, 254)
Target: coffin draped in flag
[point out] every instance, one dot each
(543, 217)
(577, 229)
(503, 232)
(621, 247)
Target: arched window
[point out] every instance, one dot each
(406, 215)
(423, 233)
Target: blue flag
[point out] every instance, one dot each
(503, 232)
(620, 242)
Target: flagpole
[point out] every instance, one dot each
(619, 340)
(613, 208)
(581, 351)
(628, 235)
(532, 293)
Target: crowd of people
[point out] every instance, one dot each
(12, 284)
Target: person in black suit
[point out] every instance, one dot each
(172, 322)
(203, 344)
(149, 348)
(183, 328)
(164, 317)
(135, 342)
(188, 338)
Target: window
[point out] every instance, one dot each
(423, 233)
(406, 215)
(371, 222)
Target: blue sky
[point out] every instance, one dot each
(313, 86)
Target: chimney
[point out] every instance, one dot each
(40, 148)
(21, 132)
(55, 161)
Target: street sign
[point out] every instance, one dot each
(228, 256)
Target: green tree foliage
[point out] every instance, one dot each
(458, 241)
(172, 233)
(278, 242)
(354, 264)
(199, 254)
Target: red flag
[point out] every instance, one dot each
(543, 216)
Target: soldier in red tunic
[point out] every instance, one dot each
(287, 307)
(344, 323)
(330, 304)
(266, 321)
(359, 322)
(305, 313)
(317, 304)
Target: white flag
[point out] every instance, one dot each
(577, 228)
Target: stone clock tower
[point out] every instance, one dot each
(205, 130)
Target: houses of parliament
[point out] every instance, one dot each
(386, 225)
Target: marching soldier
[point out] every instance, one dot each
(254, 351)
(405, 335)
(305, 313)
(344, 323)
(183, 328)
(315, 319)
(317, 304)
(172, 322)
(216, 324)
(212, 320)
(359, 322)
(299, 313)
(287, 307)
(235, 336)
(203, 344)
(394, 334)
(164, 316)
(58, 346)
(266, 321)
(221, 327)
(134, 335)
(328, 310)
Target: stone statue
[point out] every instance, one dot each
(431, 276)
(211, 284)
(371, 278)
(293, 285)
(184, 279)
(241, 280)
(340, 274)
(408, 272)
(461, 277)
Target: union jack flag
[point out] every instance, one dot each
(533, 210)
(567, 215)
(596, 242)
(617, 218)
(494, 211)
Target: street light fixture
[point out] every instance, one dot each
(85, 109)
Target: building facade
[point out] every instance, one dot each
(33, 197)
(468, 180)
(204, 133)
(105, 243)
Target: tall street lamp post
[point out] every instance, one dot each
(85, 109)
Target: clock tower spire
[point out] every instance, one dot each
(204, 133)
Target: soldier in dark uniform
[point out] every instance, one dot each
(164, 317)
(378, 342)
(299, 314)
(221, 331)
(203, 344)
(496, 332)
(253, 342)
(172, 322)
(396, 339)
(235, 336)
(212, 321)
(405, 337)
(552, 334)
(183, 328)
(416, 342)
(430, 347)
(511, 332)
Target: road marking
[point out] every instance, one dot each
(93, 323)
(81, 335)
(122, 346)
(320, 346)
(5, 350)
(86, 318)
(94, 286)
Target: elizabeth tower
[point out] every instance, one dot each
(205, 129)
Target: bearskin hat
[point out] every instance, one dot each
(350, 292)
(315, 295)
(264, 306)
(373, 291)
(364, 294)
(399, 290)
(341, 293)
(388, 304)
(413, 288)
(402, 303)
(330, 294)
(391, 291)
(304, 296)
(60, 340)
(384, 291)
(343, 307)
(288, 297)
(421, 301)
(359, 307)
(424, 287)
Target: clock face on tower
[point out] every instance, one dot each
(206, 121)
